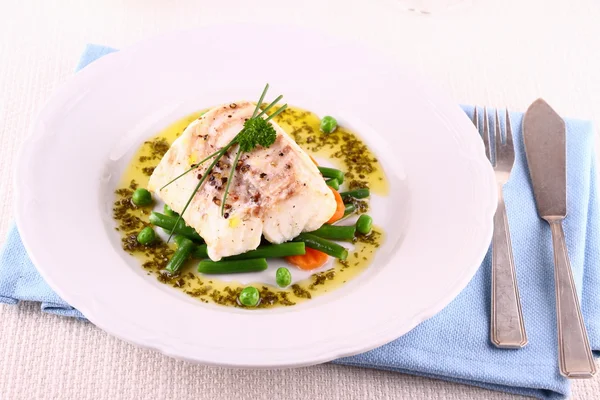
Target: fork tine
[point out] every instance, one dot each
(486, 135)
(509, 137)
(498, 134)
(476, 119)
(499, 150)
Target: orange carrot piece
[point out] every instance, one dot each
(312, 259)
(340, 207)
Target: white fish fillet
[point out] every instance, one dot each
(277, 192)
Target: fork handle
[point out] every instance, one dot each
(575, 356)
(507, 329)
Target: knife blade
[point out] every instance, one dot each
(545, 147)
(544, 135)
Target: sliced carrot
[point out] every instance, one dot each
(313, 160)
(310, 260)
(340, 207)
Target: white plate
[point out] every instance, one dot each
(438, 217)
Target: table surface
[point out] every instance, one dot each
(501, 53)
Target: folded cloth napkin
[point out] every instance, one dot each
(454, 345)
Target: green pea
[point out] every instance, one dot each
(364, 224)
(249, 296)
(146, 236)
(283, 277)
(328, 124)
(141, 197)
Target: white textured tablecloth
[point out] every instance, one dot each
(500, 53)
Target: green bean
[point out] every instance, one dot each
(232, 266)
(141, 197)
(332, 173)
(364, 224)
(146, 236)
(328, 124)
(333, 183)
(356, 194)
(327, 247)
(334, 232)
(263, 251)
(180, 256)
(200, 252)
(168, 211)
(350, 208)
(272, 251)
(167, 222)
(249, 296)
(283, 277)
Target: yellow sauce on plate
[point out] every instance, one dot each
(342, 148)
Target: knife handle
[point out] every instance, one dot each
(575, 356)
(507, 329)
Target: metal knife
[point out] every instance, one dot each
(545, 147)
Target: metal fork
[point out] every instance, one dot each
(507, 329)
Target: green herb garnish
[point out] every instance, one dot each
(256, 131)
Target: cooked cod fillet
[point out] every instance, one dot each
(277, 192)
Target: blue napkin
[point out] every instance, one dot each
(19, 279)
(454, 345)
